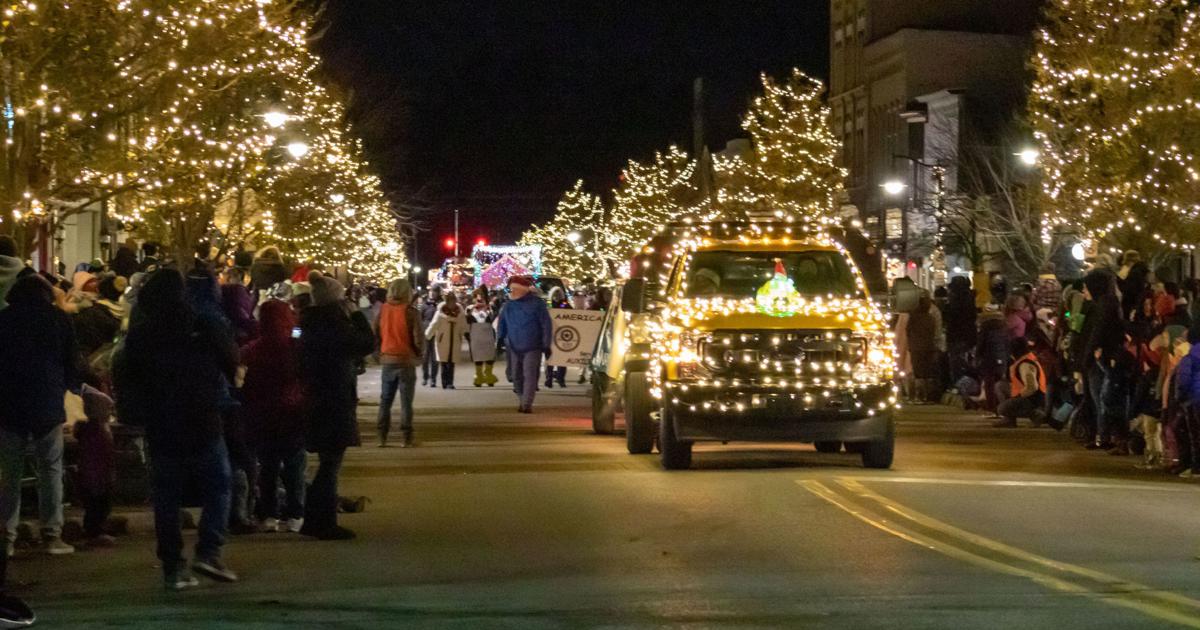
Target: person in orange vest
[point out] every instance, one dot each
(1027, 388)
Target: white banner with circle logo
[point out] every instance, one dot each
(575, 334)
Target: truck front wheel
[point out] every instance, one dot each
(879, 453)
(639, 427)
(676, 453)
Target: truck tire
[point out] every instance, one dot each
(827, 446)
(639, 426)
(676, 454)
(879, 453)
(604, 408)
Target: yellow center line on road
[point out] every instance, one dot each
(1019, 483)
(919, 529)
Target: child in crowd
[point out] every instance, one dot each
(97, 465)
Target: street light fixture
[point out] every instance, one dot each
(297, 149)
(894, 187)
(1028, 156)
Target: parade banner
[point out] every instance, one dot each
(575, 334)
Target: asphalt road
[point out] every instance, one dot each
(515, 521)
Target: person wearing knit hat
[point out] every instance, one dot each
(333, 339)
(524, 327)
(325, 290)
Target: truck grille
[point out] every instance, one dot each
(784, 354)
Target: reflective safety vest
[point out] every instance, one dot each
(1014, 374)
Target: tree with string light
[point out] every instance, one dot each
(793, 170)
(650, 195)
(1115, 111)
(573, 242)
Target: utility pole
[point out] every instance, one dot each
(699, 150)
(456, 232)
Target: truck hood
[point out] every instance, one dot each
(855, 315)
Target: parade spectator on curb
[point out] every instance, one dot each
(401, 342)
(37, 366)
(238, 306)
(266, 271)
(429, 365)
(1048, 291)
(1102, 360)
(10, 266)
(557, 374)
(921, 332)
(991, 354)
(959, 320)
(1024, 394)
(1133, 280)
(447, 329)
(1016, 315)
(124, 262)
(334, 336)
(1187, 398)
(525, 329)
(482, 337)
(96, 469)
(273, 399)
(150, 260)
(96, 326)
(171, 377)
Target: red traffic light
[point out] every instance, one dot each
(481, 242)
(449, 243)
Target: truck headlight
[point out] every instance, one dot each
(878, 362)
(691, 356)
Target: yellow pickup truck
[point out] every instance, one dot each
(759, 332)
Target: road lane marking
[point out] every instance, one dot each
(859, 506)
(1015, 483)
(1015, 552)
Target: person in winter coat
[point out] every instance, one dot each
(334, 336)
(1133, 280)
(10, 266)
(37, 366)
(401, 343)
(525, 329)
(124, 262)
(266, 270)
(1025, 391)
(1048, 292)
(238, 306)
(171, 376)
(1102, 360)
(429, 365)
(96, 469)
(98, 325)
(991, 354)
(273, 399)
(1187, 399)
(1016, 315)
(150, 260)
(922, 332)
(959, 320)
(482, 338)
(557, 374)
(447, 329)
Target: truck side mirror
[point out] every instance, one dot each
(633, 296)
(905, 294)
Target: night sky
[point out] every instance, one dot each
(496, 108)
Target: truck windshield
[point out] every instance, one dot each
(739, 274)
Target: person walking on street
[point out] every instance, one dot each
(525, 329)
(429, 365)
(482, 338)
(273, 399)
(447, 329)
(37, 367)
(172, 377)
(401, 343)
(557, 374)
(334, 335)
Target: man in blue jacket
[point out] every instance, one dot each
(524, 328)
